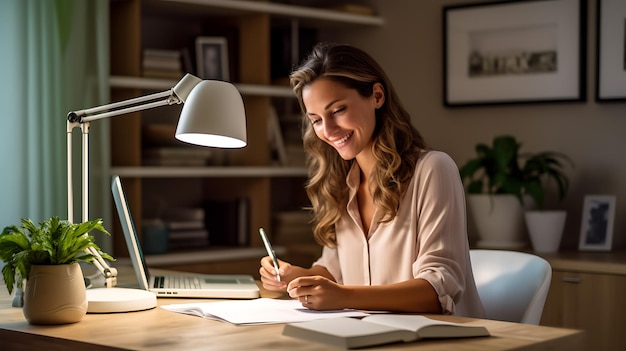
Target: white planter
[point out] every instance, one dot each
(545, 229)
(499, 220)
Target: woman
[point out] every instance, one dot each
(389, 212)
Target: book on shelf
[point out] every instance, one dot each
(227, 221)
(162, 73)
(175, 225)
(158, 63)
(380, 329)
(188, 239)
(186, 228)
(275, 138)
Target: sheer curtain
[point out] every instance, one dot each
(55, 59)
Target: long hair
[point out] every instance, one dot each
(396, 143)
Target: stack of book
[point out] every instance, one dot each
(186, 229)
(162, 63)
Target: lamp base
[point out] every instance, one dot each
(113, 300)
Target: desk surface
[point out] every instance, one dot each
(158, 329)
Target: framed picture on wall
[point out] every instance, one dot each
(611, 51)
(212, 58)
(596, 232)
(514, 52)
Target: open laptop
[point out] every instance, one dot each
(230, 286)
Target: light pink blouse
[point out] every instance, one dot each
(427, 239)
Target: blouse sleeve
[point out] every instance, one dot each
(330, 261)
(443, 249)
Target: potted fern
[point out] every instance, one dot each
(47, 257)
(503, 183)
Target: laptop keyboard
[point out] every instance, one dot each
(176, 282)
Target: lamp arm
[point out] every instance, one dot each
(114, 109)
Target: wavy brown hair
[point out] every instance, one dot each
(396, 143)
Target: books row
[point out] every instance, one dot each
(219, 223)
(156, 63)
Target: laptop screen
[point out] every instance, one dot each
(130, 234)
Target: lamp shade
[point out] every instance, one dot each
(213, 115)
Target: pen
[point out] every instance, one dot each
(270, 251)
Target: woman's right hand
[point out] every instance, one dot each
(269, 277)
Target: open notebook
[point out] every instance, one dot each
(230, 286)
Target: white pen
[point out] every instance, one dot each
(270, 251)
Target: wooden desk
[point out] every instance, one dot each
(158, 329)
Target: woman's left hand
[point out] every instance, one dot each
(318, 293)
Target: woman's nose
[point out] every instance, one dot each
(329, 126)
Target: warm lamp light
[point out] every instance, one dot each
(212, 115)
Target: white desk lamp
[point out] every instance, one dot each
(212, 115)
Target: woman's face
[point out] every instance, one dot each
(340, 116)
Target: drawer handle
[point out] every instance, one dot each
(572, 280)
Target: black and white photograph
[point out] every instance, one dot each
(597, 223)
(611, 51)
(212, 58)
(513, 52)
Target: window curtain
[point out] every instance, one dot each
(55, 59)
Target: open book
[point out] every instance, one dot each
(379, 329)
(258, 311)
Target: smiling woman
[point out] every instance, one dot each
(384, 205)
(37, 93)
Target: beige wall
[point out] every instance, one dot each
(409, 46)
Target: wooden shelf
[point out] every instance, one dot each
(208, 172)
(319, 15)
(252, 173)
(165, 84)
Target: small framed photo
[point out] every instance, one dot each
(212, 58)
(520, 51)
(597, 223)
(611, 51)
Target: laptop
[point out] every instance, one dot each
(229, 286)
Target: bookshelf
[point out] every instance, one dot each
(248, 173)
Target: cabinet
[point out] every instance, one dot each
(248, 173)
(587, 292)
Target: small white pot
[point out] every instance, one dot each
(545, 229)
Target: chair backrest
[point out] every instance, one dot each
(512, 285)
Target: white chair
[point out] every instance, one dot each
(512, 285)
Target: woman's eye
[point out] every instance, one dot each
(339, 110)
(316, 121)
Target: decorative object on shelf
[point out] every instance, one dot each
(213, 114)
(47, 257)
(610, 60)
(500, 171)
(212, 58)
(514, 52)
(596, 232)
(545, 227)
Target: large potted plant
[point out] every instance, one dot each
(47, 257)
(502, 183)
